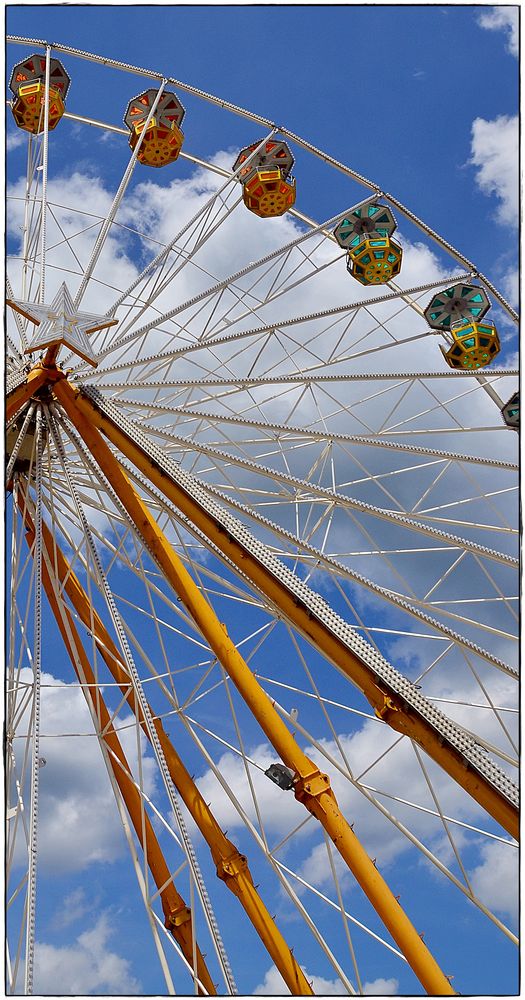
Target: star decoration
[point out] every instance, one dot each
(60, 323)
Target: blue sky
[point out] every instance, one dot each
(420, 99)
(391, 90)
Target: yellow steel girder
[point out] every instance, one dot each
(38, 377)
(178, 917)
(387, 705)
(231, 866)
(311, 787)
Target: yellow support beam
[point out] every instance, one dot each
(178, 917)
(232, 866)
(311, 786)
(37, 378)
(387, 705)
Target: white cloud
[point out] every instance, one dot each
(494, 149)
(76, 801)
(273, 985)
(74, 907)
(318, 871)
(511, 285)
(158, 211)
(278, 808)
(87, 967)
(381, 988)
(503, 19)
(281, 811)
(398, 773)
(14, 140)
(496, 879)
(78, 204)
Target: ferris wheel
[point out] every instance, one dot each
(263, 568)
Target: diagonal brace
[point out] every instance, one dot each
(231, 866)
(176, 913)
(320, 799)
(443, 743)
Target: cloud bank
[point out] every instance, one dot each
(503, 19)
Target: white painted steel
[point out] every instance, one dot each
(323, 432)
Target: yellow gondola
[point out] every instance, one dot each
(268, 188)
(375, 261)
(474, 345)
(28, 86)
(163, 137)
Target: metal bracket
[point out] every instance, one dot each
(178, 917)
(388, 706)
(312, 785)
(232, 866)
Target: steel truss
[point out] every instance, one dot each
(230, 456)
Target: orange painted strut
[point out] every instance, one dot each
(386, 703)
(177, 915)
(37, 378)
(311, 786)
(231, 866)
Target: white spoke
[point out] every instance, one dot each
(345, 502)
